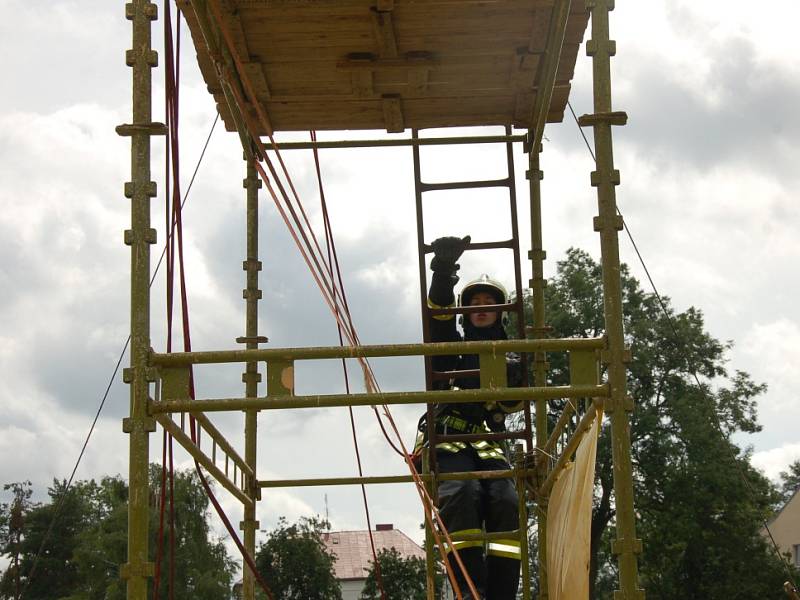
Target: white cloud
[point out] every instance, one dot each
(774, 348)
(773, 462)
(715, 217)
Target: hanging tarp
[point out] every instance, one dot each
(569, 522)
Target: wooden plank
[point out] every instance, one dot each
(480, 76)
(418, 81)
(386, 63)
(368, 114)
(234, 24)
(255, 73)
(523, 107)
(393, 114)
(566, 67)
(361, 84)
(410, 82)
(272, 51)
(316, 14)
(383, 29)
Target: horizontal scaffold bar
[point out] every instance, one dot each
(176, 359)
(335, 400)
(443, 141)
(453, 476)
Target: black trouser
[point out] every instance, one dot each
(472, 504)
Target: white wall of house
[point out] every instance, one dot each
(785, 528)
(351, 588)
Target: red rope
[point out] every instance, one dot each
(331, 245)
(319, 276)
(171, 168)
(334, 261)
(312, 258)
(175, 226)
(172, 542)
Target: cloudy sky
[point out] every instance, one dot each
(708, 164)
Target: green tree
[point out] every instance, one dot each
(698, 520)
(88, 542)
(403, 577)
(37, 571)
(295, 564)
(790, 481)
(203, 568)
(12, 530)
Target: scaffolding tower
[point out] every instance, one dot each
(281, 65)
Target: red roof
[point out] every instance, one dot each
(354, 554)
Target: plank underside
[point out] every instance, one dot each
(353, 64)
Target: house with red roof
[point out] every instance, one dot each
(354, 554)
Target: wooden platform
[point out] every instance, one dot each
(393, 64)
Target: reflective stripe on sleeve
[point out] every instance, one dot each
(432, 304)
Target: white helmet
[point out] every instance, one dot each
(484, 283)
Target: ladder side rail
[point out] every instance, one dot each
(521, 324)
(520, 301)
(429, 465)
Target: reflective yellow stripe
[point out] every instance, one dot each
(432, 304)
(464, 544)
(461, 544)
(508, 542)
(491, 453)
(454, 447)
(504, 548)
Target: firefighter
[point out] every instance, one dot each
(470, 505)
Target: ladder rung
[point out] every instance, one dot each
(460, 310)
(463, 185)
(258, 339)
(477, 437)
(446, 375)
(427, 248)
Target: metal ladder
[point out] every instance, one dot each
(430, 465)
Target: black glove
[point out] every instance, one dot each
(514, 369)
(447, 250)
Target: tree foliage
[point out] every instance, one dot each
(203, 568)
(790, 481)
(697, 517)
(13, 515)
(403, 577)
(295, 563)
(88, 542)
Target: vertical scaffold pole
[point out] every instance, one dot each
(608, 223)
(139, 189)
(251, 377)
(537, 284)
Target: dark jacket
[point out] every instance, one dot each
(443, 329)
